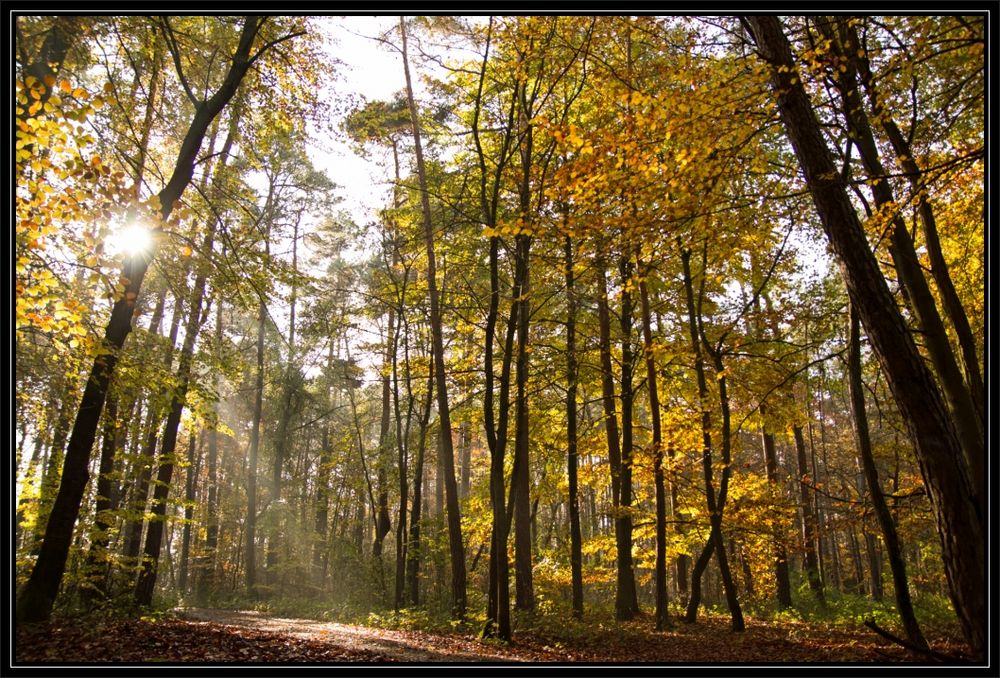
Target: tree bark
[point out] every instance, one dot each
(524, 595)
(190, 494)
(96, 568)
(783, 582)
(572, 374)
(809, 526)
(437, 337)
(889, 535)
(964, 413)
(715, 504)
(625, 590)
(662, 619)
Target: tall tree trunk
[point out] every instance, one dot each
(625, 587)
(401, 453)
(496, 422)
(447, 451)
(662, 619)
(207, 580)
(809, 536)
(155, 411)
(96, 568)
(889, 535)
(281, 441)
(572, 374)
(190, 489)
(939, 267)
(38, 594)
(524, 595)
(154, 533)
(250, 564)
(715, 504)
(413, 551)
(783, 590)
(383, 523)
(322, 518)
(946, 472)
(630, 604)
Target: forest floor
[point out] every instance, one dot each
(196, 635)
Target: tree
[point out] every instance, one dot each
(447, 451)
(35, 600)
(942, 462)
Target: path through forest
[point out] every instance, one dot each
(401, 646)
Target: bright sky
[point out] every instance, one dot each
(372, 70)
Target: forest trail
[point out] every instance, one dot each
(400, 646)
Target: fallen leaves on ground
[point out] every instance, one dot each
(172, 641)
(229, 636)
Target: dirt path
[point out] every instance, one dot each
(402, 646)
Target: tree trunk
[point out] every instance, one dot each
(939, 267)
(96, 568)
(190, 487)
(662, 619)
(572, 372)
(447, 451)
(715, 504)
(207, 581)
(945, 470)
(524, 595)
(889, 535)
(968, 423)
(250, 565)
(413, 552)
(154, 533)
(783, 582)
(806, 480)
(625, 592)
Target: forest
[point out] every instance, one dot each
(654, 339)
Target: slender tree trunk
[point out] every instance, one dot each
(154, 533)
(413, 552)
(715, 504)
(250, 558)
(190, 487)
(97, 564)
(783, 582)
(957, 395)
(889, 535)
(490, 182)
(447, 452)
(572, 372)
(524, 595)
(212, 504)
(383, 523)
(806, 479)
(625, 589)
(939, 267)
(662, 619)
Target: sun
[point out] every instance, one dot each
(134, 238)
